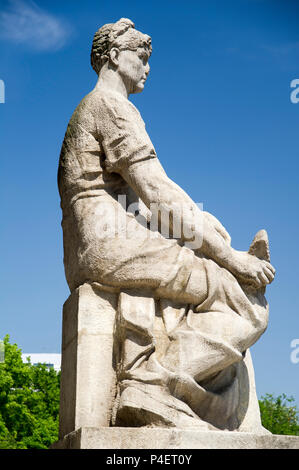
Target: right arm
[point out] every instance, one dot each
(129, 152)
(152, 185)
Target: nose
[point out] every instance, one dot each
(147, 69)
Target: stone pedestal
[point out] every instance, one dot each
(88, 390)
(162, 438)
(87, 370)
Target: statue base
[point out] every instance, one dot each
(163, 438)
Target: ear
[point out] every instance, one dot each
(113, 56)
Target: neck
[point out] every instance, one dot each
(110, 80)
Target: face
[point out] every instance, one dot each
(134, 68)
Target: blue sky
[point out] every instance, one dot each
(218, 110)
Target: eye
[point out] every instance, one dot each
(143, 57)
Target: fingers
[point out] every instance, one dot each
(263, 279)
(266, 276)
(256, 282)
(270, 267)
(269, 274)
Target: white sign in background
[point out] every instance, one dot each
(295, 352)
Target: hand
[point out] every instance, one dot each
(251, 270)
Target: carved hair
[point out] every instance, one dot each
(121, 35)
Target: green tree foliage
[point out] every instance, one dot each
(29, 402)
(29, 405)
(279, 414)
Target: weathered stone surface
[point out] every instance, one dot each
(87, 372)
(150, 438)
(163, 310)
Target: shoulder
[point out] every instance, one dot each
(113, 103)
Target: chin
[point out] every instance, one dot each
(138, 88)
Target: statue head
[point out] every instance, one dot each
(121, 47)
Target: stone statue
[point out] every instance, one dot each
(188, 306)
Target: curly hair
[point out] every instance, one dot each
(122, 35)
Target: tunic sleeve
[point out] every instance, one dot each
(123, 135)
